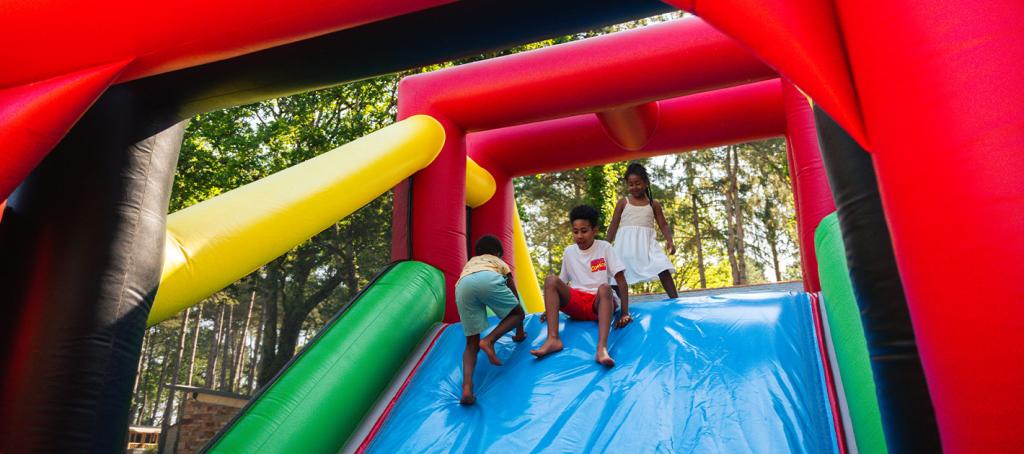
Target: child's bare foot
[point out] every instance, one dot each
(519, 337)
(467, 397)
(488, 349)
(604, 358)
(550, 346)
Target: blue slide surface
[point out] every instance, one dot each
(734, 374)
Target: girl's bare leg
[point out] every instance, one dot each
(669, 284)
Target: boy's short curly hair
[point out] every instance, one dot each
(586, 213)
(489, 244)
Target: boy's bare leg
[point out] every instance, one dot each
(515, 317)
(556, 295)
(468, 365)
(669, 284)
(605, 307)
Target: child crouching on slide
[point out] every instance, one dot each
(486, 281)
(587, 266)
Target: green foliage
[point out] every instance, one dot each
(691, 188)
(718, 275)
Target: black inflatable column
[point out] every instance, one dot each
(81, 249)
(907, 415)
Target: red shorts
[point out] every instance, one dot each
(580, 305)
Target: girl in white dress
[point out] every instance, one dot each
(633, 224)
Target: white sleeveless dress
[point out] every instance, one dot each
(636, 245)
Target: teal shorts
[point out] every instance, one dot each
(478, 291)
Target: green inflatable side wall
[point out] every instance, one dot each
(316, 402)
(848, 337)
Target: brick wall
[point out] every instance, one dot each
(200, 423)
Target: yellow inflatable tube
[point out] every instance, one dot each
(214, 243)
(526, 276)
(480, 185)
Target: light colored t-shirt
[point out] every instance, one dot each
(485, 262)
(587, 270)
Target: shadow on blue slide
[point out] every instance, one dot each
(731, 374)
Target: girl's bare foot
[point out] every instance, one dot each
(550, 346)
(604, 358)
(488, 349)
(467, 397)
(519, 337)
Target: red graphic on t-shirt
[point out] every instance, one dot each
(598, 265)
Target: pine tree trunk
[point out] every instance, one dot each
(741, 247)
(698, 239)
(236, 372)
(287, 342)
(147, 357)
(142, 357)
(159, 388)
(251, 385)
(169, 408)
(730, 216)
(195, 345)
(771, 236)
(775, 261)
(269, 346)
(226, 345)
(211, 361)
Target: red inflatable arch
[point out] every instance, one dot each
(625, 79)
(936, 100)
(928, 87)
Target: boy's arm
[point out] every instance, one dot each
(613, 227)
(624, 318)
(659, 217)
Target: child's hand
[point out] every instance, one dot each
(544, 317)
(623, 320)
(671, 247)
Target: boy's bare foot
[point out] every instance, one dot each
(467, 397)
(550, 346)
(519, 337)
(604, 358)
(488, 349)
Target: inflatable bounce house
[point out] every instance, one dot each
(904, 126)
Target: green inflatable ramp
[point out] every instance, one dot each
(847, 334)
(320, 397)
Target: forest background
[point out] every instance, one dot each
(730, 209)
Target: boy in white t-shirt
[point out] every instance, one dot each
(581, 290)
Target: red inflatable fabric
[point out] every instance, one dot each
(607, 72)
(438, 223)
(34, 117)
(940, 86)
(730, 115)
(811, 193)
(801, 39)
(495, 217)
(598, 74)
(165, 36)
(630, 127)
